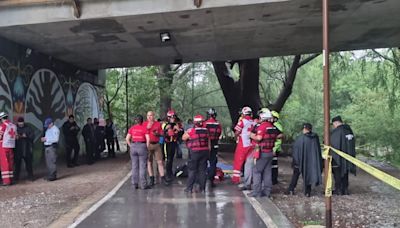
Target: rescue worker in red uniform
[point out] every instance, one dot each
(154, 131)
(266, 135)
(8, 132)
(243, 147)
(137, 139)
(215, 130)
(172, 131)
(198, 143)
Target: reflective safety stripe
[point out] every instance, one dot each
(275, 158)
(6, 172)
(7, 176)
(275, 166)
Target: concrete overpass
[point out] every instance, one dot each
(101, 34)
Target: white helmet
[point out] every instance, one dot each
(265, 115)
(3, 115)
(246, 111)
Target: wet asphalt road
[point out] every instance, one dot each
(223, 207)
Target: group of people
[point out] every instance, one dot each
(16, 145)
(151, 139)
(259, 142)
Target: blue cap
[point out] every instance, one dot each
(47, 122)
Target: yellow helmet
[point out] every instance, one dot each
(275, 114)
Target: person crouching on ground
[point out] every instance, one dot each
(266, 135)
(198, 143)
(136, 138)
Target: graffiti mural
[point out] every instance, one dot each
(86, 103)
(6, 102)
(35, 87)
(45, 97)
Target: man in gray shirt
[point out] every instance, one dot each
(50, 141)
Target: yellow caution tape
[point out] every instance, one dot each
(328, 185)
(390, 180)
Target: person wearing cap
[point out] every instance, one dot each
(137, 139)
(172, 131)
(277, 148)
(343, 139)
(307, 161)
(23, 148)
(215, 131)
(154, 131)
(70, 130)
(8, 132)
(243, 147)
(50, 141)
(198, 142)
(266, 136)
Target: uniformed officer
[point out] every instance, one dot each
(215, 130)
(70, 130)
(172, 131)
(50, 141)
(8, 132)
(23, 148)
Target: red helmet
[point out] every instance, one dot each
(198, 119)
(171, 113)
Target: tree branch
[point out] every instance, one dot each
(384, 57)
(308, 59)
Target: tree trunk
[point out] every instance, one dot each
(243, 92)
(165, 79)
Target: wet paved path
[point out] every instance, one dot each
(223, 207)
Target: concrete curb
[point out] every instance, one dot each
(71, 218)
(269, 212)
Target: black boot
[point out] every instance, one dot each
(164, 181)
(152, 181)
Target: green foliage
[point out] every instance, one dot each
(364, 91)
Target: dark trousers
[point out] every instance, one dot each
(89, 152)
(19, 156)
(197, 166)
(213, 159)
(275, 169)
(341, 181)
(295, 178)
(117, 143)
(170, 148)
(110, 147)
(72, 150)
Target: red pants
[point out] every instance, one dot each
(241, 154)
(6, 163)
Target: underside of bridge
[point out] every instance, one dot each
(101, 34)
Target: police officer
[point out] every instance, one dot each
(50, 141)
(172, 131)
(215, 130)
(8, 132)
(109, 130)
(266, 135)
(198, 143)
(70, 131)
(90, 141)
(136, 138)
(23, 148)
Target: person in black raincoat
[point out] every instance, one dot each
(342, 138)
(23, 148)
(307, 160)
(71, 129)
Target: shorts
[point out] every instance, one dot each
(155, 150)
